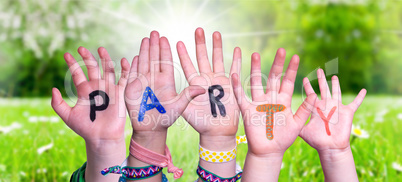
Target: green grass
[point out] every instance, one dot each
(20, 160)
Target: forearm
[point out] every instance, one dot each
(219, 144)
(152, 140)
(101, 155)
(262, 167)
(338, 164)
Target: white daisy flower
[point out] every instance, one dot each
(41, 170)
(62, 132)
(45, 148)
(7, 129)
(399, 116)
(33, 119)
(25, 132)
(397, 166)
(2, 167)
(43, 118)
(54, 119)
(25, 114)
(22, 173)
(358, 132)
(65, 173)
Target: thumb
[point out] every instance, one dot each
(60, 106)
(305, 109)
(188, 94)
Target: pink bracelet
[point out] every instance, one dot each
(156, 159)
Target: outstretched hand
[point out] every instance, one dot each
(153, 68)
(223, 121)
(99, 115)
(331, 121)
(285, 126)
(107, 123)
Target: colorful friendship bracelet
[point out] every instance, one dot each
(221, 156)
(211, 177)
(132, 173)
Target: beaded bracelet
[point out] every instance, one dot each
(211, 177)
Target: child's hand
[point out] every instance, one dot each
(329, 129)
(153, 71)
(222, 126)
(335, 134)
(101, 123)
(215, 114)
(286, 126)
(270, 131)
(153, 68)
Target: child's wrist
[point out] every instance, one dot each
(101, 154)
(152, 140)
(334, 155)
(103, 147)
(218, 143)
(273, 157)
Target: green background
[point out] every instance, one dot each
(360, 41)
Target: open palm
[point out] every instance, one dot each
(108, 125)
(339, 125)
(153, 68)
(198, 113)
(286, 126)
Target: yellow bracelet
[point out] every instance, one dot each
(241, 139)
(223, 156)
(213, 156)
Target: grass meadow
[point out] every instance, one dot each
(29, 125)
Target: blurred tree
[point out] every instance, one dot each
(33, 36)
(364, 36)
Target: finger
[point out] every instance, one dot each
(322, 82)
(143, 58)
(358, 100)
(133, 70)
(60, 106)
(307, 86)
(125, 72)
(185, 61)
(274, 77)
(90, 63)
(107, 65)
(305, 109)
(201, 51)
(288, 81)
(75, 70)
(166, 56)
(217, 54)
(154, 55)
(236, 64)
(255, 77)
(239, 92)
(187, 95)
(336, 89)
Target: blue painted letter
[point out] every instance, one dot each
(146, 107)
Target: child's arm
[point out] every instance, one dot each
(153, 69)
(269, 123)
(218, 127)
(329, 129)
(99, 122)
